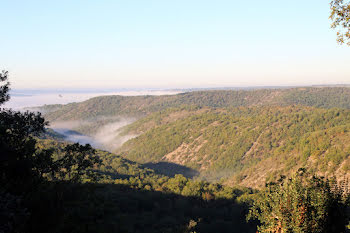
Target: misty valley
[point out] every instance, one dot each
(199, 161)
(179, 116)
(246, 137)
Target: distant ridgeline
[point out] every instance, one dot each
(243, 137)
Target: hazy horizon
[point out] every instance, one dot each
(24, 98)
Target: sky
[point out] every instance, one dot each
(169, 44)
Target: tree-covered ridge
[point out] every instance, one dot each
(139, 106)
(252, 144)
(318, 97)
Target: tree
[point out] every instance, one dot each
(77, 163)
(21, 163)
(17, 142)
(340, 15)
(301, 204)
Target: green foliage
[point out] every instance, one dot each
(22, 164)
(18, 159)
(77, 163)
(301, 204)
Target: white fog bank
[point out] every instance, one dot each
(107, 137)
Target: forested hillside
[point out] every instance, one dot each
(250, 146)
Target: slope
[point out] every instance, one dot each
(246, 146)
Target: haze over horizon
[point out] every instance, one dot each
(158, 44)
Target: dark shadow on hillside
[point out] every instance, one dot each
(171, 169)
(110, 208)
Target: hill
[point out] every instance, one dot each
(246, 145)
(139, 106)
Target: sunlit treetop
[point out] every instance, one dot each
(340, 15)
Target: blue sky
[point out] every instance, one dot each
(85, 44)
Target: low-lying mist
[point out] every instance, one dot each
(106, 136)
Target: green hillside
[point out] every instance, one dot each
(248, 146)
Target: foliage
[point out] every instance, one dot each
(17, 145)
(301, 204)
(22, 164)
(77, 162)
(340, 15)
